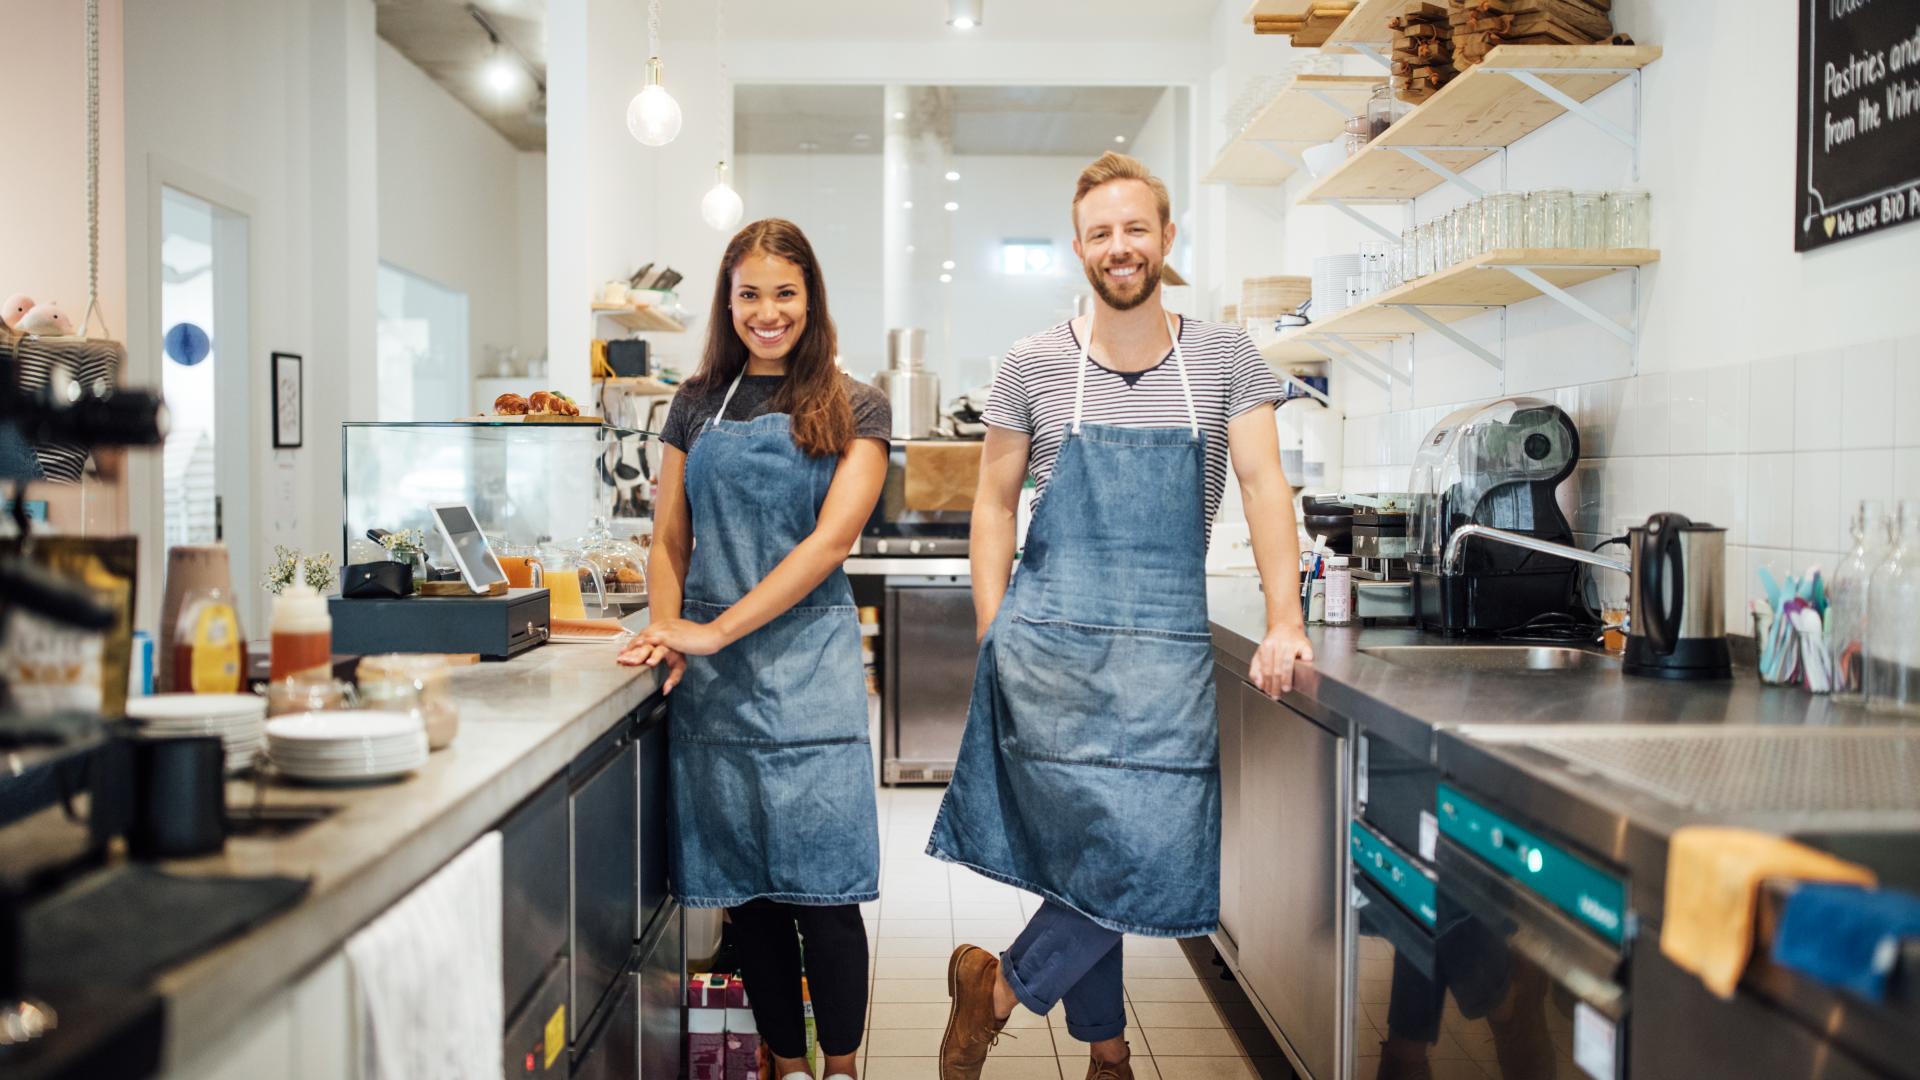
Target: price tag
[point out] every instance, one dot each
(1429, 835)
(1593, 1042)
(556, 1036)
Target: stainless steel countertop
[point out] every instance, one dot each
(1457, 720)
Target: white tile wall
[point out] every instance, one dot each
(1778, 450)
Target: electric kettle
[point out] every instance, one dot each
(1678, 600)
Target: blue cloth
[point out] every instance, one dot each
(17, 460)
(772, 777)
(1089, 771)
(1846, 936)
(1064, 956)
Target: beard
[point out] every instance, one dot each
(1147, 280)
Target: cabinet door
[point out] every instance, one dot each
(655, 812)
(662, 993)
(931, 657)
(606, 876)
(1291, 875)
(1228, 689)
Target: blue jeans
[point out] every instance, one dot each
(1064, 956)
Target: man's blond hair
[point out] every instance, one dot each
(1114, 166)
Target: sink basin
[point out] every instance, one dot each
(1496, 659)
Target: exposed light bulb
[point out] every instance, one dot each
(653, 117)
(501, 76)
(721, 206)
(952, 176)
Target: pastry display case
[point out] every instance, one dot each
(526, 483)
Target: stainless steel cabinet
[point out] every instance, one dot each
(1291, 869)
(1227, 692)
(928, 676)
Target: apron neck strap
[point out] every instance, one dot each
(722, 412)
(1080, 377)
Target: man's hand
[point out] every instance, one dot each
(1272, 667)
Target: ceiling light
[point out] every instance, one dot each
(908, 205)
(951, 175)
(909, 249)
(721, 206)
(948, 265)
(899, 116)
(946, 279)
(1119, 138)
(808, 146)
(963, 14)
(653, 117)
(501, 76)
(952, 206)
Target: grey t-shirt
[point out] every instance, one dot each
(688, 415)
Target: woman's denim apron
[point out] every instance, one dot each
(772, 777)
(1090, 768)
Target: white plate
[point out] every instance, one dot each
(362, 761)
(343, 727)
(180, 707)
(385, 768)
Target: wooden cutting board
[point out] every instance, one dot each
(543, 418)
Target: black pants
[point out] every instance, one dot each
(769, 936)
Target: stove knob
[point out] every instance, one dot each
(883, 547)
(914, 547)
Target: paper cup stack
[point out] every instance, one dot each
(238, 719)
(347, 747)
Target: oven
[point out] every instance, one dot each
(895, 530)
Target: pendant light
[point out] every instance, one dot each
(721, 206)
(653, 117)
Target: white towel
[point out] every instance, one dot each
(427, 974)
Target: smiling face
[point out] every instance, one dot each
(1121, 242)
(769, 300)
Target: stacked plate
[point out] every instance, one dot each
(238, 719)
(1330, 274)
(346, 747)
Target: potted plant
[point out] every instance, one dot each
(317, 572)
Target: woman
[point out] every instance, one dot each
(774, 460)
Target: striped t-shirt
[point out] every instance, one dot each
(1033, 394)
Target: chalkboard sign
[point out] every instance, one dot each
(1859, 119)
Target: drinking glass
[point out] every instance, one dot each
(1446, 250)
(1847, 598)
(1893, 623)
(1629, 218)
(1505, 220)
(1588, 227)
(1549, 218)
(1409, 254)
(1473, 240)
(1428, 235)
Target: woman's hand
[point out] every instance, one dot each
(639, 653)
(1272, 667)
(681, 636)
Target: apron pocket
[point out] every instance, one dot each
(796, 680)
(1108, 696)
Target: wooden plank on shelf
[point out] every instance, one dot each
(1376, 175)
(1367, 24)
(1463, 291)
(1241, 162)
(1266, 8)
(638, 317)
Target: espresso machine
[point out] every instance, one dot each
(1497, 466)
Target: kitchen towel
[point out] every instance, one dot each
(1846, 936)
(1713, 874)
(427, 975)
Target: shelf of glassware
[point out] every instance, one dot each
(1487, 108)
(639, 317)
(1309, 110)
(1486, 281)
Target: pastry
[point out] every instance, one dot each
(540, 402)
(509, 405)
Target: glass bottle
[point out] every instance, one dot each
(1893, 622)
(1847, 598)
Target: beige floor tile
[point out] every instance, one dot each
(1188, 989)
(1151, 967)
(915, 928)
(910, 967)
(885, 1015)
(1172, 1014)
(1022, 1068)
(925, 1042)
(916, 946)
(908, 990)
(1137, 946)
(900, 1068)
(1205, 1068)
(1189, 1042)
(962, 926)
(1458, 1070)
(999, 906)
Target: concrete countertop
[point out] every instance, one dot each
(521, 722)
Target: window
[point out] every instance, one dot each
(1026, 257)
(422, 346)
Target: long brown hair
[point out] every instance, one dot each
(814, 393)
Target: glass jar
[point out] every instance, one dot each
(1588, 227)
(1426, 255)
(1359, 133)
(1408, 261)
(1473, 241)
(306, 691)
(413, 683)
(1550, 218)
(1382, 110)
(1504, 220)
(1892, 676)
(1629, 219)
(1846, 624)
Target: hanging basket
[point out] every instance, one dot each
(47, 366)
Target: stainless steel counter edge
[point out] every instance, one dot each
(522, 722)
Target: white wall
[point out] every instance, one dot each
(451, 208)
(1769, 389)
(836, 200)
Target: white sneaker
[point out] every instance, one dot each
(839, 1076)
(798, 1076)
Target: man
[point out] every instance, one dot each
(1089, 772)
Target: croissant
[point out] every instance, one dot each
(509, 405)
(540, 402)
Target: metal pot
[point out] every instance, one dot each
(912, 391)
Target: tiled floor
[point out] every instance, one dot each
(926, 907)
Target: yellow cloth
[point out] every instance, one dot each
(1713, 878)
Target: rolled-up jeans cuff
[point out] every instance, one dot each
(1099, 1033)
(1020, 992)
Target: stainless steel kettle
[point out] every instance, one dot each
(1678, 599)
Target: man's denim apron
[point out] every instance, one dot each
(771, 773)
(1090, 768)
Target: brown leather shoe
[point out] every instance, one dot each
(1111, 1070)
(972, 1029)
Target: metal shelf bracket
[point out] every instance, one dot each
(1367, 50)
(1330, 102)
(1382, 373)
(1341, 205)
(1629, 334)
(1421, 156)
(1496, 361)
(1280, 150)
(1531, 78)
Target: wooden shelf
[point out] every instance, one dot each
(640, 384)
(639, 317)
(1459, 292)
(1480, 109)
(1367, 25)
(1308, 111)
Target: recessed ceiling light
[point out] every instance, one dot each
(899, 116)
(951, 175)
(952, 206)
(808, 146)
(963, 14)
(909, 249)
(908, 205)
(948, 265)
(1119, 138)
(946, 279)
(501, 77)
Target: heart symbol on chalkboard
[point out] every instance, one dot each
(1829, 224)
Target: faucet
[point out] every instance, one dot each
(1457, 548)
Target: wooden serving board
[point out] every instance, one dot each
(542, 418)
